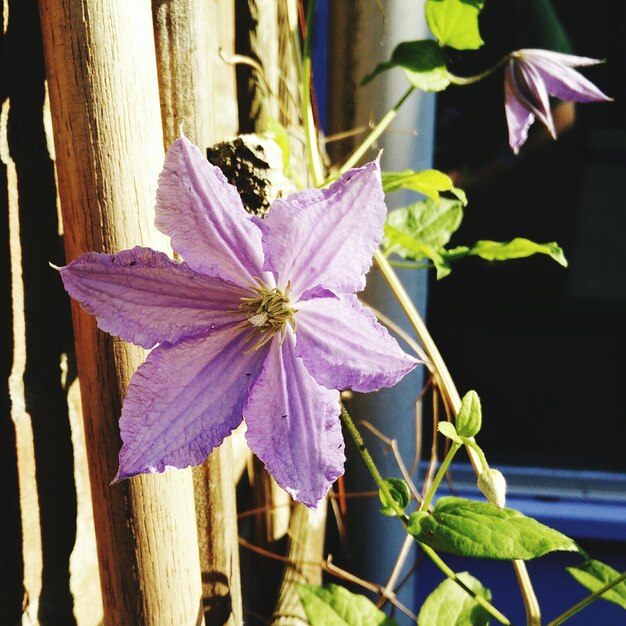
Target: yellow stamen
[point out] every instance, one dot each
(267, 313)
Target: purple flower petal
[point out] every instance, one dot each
(144, 297)
(533, 55)
(530, 90)
(566, 83)
(519, 119)
(205, 218)
(293, 426)
(343, 346)
(530, 77)
(326, 237)
(184, 400)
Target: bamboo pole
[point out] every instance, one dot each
(104, 101)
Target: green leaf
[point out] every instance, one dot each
(469, 419)
(482, 530)
(448, 430)
(455, 23)
(428, 222)
(449, 605)
(400, 493)
(515, 249)
(332, 605)
(427, 182)
(407, 247)
(404, 245)
(594, 575)
(419, 231)
(423, 63)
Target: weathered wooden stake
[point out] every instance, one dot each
(107, 128)
(307, 532)
(185, 36)
(272, 96)
(274, 39)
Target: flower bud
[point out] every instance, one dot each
(493, 485)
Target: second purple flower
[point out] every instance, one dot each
(531, 77)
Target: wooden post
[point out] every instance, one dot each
(185, 32)
(274, 39)
(269, 33)
(105, 108)
(307, 532)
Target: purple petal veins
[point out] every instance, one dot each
(182, 402)
(261, 323)
(205, 218)
(144, 297)
(293, 426)
(343, 345)
(326, 237)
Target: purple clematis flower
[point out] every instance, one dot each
(260, 322)
(530, 77)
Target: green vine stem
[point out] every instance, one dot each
(382, 126)
(479, 453)
(438, 368)
(588, 600)
(470, 80)
(376, 132)
(369, 462)
(450, 573)
(382, 485)
(441, 472)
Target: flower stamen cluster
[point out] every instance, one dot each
(267, 312)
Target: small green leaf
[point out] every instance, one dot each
(449, 605)
(448, 430)
(515, 249)
(419, 231)
(332, 605)
(455, 23)
(427, 182)
(482, 530)
(423, 63)
(407, 247)
(594, 575)
(400, 493)
(428, 222)
(469, 419)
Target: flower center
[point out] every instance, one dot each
(268, 312)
